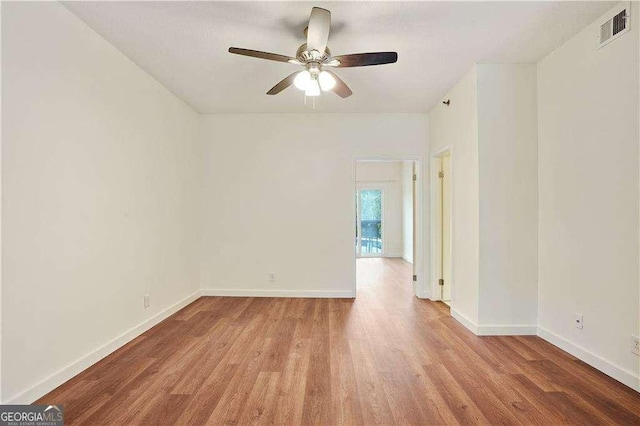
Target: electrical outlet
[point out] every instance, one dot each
(579, 321)
(636, 345)
(272, 277)
(147, 301)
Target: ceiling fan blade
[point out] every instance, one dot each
(341, 89)
(263, 55)
(318, 30)
(363, 59)
(288, 81)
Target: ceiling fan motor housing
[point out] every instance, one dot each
(306, 56)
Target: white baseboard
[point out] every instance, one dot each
(464, 321)
(337, 294)
(393, 255)
(507, 330)
(50, 383)
(408, 259)
(620, 374)
(494, 329)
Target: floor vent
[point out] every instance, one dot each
(615, 25)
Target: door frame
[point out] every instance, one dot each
(434, 208)
(420, 286)
(382, 215)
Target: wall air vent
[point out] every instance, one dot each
(615, 24)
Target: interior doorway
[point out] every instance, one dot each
(386, 223)
(441, 188)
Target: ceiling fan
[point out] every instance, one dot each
(315, 56)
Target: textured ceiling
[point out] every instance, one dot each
(184, 46)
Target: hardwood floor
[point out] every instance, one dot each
(383, 358)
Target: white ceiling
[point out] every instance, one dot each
(184, 46)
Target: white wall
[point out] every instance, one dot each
(280, 198)
(588, 198)
(456, 126)
(407, 211)
(508, 147)
(490, 128)
(99, 181)
(388, 177)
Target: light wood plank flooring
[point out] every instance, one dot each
(383, 358)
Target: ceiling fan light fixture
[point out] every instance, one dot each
(313, 89)
(302, 80)
(326, 80)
